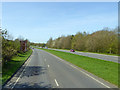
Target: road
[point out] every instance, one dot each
(93, 55)
(44, 70)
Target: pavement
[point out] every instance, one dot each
(45, 70)
(94, 55)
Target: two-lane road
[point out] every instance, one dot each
(44, 70)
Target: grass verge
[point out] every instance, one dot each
(105, 69)
(12, 66)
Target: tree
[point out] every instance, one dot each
(67, 42)
(102, 41)
(10, 47)
(49, 42)
(79, 40)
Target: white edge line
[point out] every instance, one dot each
(91, 77)
(20, 75)
(80, 71)
(56, 82)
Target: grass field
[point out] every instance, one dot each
(105, 69)
(10, 68)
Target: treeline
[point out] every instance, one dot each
(38, 44)
(102, 41)
(10, 47)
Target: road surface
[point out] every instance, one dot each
(44, 70)
(93, 55)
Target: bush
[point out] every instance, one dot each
(10, 47)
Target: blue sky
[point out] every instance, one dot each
(39, 21)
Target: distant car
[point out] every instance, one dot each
(71, 50)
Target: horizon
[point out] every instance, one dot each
(39, 21)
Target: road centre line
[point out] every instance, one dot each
(21, 73)
(48, 65)
(80, 70)
(56, 82)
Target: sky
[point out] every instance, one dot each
(38, 21)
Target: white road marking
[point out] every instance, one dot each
(20, 74)
(91, 77)
(8, 84)
(80, 70)
(48, 65)
(56, 82)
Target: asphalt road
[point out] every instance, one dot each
(44, 70)
(94, 55)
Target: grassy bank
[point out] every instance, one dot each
(104, 69)
(10, 68)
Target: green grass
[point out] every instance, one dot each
(10, 68)
(105, 69)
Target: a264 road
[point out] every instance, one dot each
(44, 70)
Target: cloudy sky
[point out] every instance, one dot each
(38, 21)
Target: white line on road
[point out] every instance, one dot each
(91, 77)
(56, 82)
(80, 70)
(48, 65)
(20, 74)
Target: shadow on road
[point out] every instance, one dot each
(34, 70)
(32, 85)
(31, 78)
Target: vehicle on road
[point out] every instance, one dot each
(72, 50)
